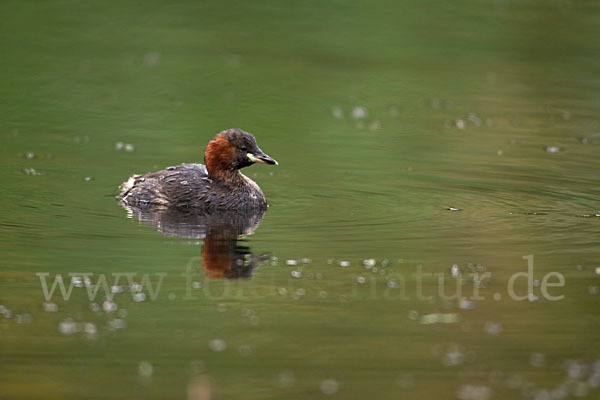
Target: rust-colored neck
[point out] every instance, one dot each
(218, 157)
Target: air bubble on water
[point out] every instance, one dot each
(579, 389)
(344, 264)
(532, 297)
(116, 289)
(139, 297)
(496, 376)
(528, 389)
(125, 146)
(217, 345)
(306, 261)
(437, 350)
(94, 307)
(245, 350)
(282, 291)
(88, 179)
(374, 126)
(151, 59)
(454, 356)
(145, 369)
(329, 386)
(361, 279)
(560, 392)
(385, 263)
(405, 381)
(136, 287)
(109, 306)
(291, 262)
(68, 327)
(542, 394)
(300, 292)
(475, 120)
(597, 270)
(323, 294)
(552, 149)
(392, 284)
(460, 124)
(374, 270)
(359, 112)
(536, 283)
(413, 314)
(286, 379)
(296, 274)
(537, 360)
(77, 281)
(50, 307)
(474, 392)
(196, 285)
(455, 270)
(437, 318)
(90, 328)
(594, 380)
(514, 381)
(575, 369)
(369, 263)
(23, 318)
(195, 367)
(337, 112)
(31, 171)
(493, 328)
(465, 304)
(246, 312)
(116, 323)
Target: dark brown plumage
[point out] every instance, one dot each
(216, 186)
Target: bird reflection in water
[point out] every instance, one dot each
(223, 256)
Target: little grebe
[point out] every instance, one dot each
(216, 186)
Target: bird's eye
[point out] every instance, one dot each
(244, 148)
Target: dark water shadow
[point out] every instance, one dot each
(223, 254)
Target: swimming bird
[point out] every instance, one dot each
(216, 185)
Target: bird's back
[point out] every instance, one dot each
(189, 186)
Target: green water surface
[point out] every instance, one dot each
(411, 136)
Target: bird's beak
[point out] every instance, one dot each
(261, 157)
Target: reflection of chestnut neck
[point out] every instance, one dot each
(222, 258)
